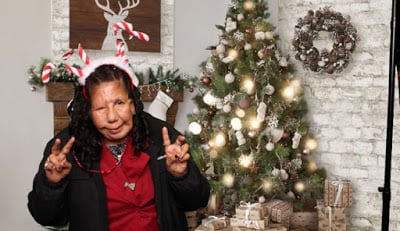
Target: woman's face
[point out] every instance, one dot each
(112, 111)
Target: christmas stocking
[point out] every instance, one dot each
(158, 108)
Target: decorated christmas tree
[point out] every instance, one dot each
(248, 132)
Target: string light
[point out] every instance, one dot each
(240, 112)
(233, 54)
(249, 5)
(310, 144)
(267, 185)
(213, 154)
(220, 140)
(228, 180)
(299, 186)
(246, 160)
(248, 86)
(209, 99)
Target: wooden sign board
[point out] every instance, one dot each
(89, 23)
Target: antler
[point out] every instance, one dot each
(129, 5)
(105, 8)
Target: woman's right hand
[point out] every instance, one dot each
(56, 165)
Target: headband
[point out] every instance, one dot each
(119, 60)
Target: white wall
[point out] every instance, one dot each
(26, 119)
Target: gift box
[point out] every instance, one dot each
(191, 218)
(304, 221)
(276, 227)
(280, 211)
(249, 211)
(331, 219)
(338, 193)
(215, 222)
(253, 224)
(204, 228)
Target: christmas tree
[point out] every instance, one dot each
(248, 132)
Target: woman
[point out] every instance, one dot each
(115, 167)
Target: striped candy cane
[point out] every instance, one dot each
(128, 27)
(83, 55)
(120, 48)
(46, 72)
(68, 54)
(74, 70)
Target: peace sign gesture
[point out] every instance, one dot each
(176, 154)
(56, 165)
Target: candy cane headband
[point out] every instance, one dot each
(119, 60)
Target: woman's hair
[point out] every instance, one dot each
(87, 146)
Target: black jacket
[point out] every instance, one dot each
(80, 198)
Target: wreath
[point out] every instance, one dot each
(342, 33)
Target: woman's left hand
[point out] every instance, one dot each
(176, 154)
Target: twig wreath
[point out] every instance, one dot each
(342, 33)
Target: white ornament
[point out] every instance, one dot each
(284, 174)
(269, 89)
(275, 133)
(261, 199)
(276, 172)
(296, 140)
(247, 46)
(269, 35)
(227, 108)
(236, 124)
(220, 49)
(230, 25)
(259, 35)
(240, 138)
(260, 54)
(209, 99)
(195, 128)
(229, 78)
(283, 62)
(270, 146)
(227, 59)
(240, 17)
(291, 194)
(261, 112)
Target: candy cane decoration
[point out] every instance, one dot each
(46, 72)
(68, 54)
(73, 70)
(120, 48)
(128, 27)
(83, 55)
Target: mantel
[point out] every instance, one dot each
(60, 93)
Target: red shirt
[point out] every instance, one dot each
(130, 191)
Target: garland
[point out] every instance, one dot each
(342, 33)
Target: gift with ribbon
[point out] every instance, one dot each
(280, 211)
(338, 193)
(250, 211)
(215, 222)
(331, 218)
(253, 224)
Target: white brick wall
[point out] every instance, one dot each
(348, 111)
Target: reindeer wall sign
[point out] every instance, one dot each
(91, 23)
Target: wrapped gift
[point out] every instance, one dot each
(280, 211)
(203, 228)
(276, 227)
(331, 219)
(215, 223)
(250, 211)
(304, 221)
(338, 193)
(253, 224)
(191, 218)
